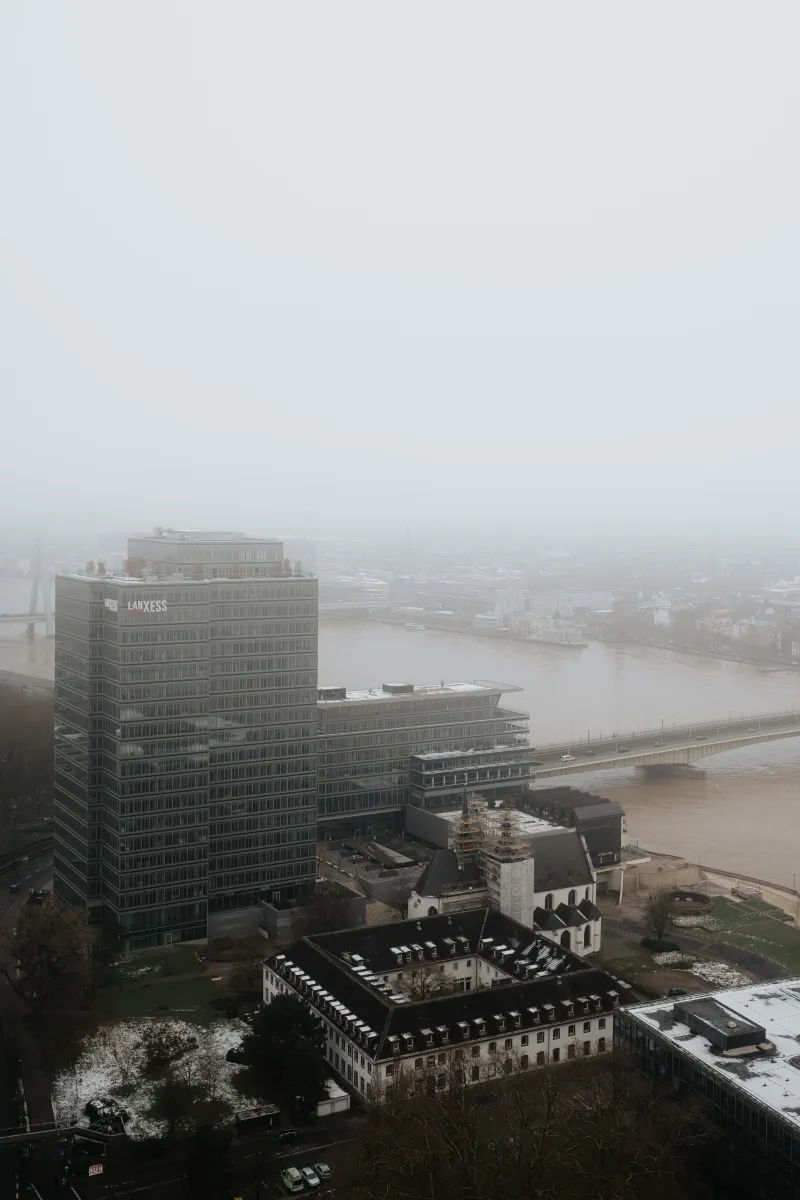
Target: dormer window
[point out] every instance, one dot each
(428, 1036)
(501, 1022)
(394, 1044)
(444, 1034)
(516, 1017)
(464, 1027)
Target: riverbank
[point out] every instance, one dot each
(763, 665)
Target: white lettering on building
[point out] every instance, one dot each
(147, 606)
(111, 605)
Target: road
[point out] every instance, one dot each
(251, 1156)
(34, 873)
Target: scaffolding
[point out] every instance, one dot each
(468, 833)
(503, 844)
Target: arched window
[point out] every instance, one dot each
(587, 936)
(432, 911)
(548, 900)
(572, 896)
(565, 939)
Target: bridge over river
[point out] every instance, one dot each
(677, 746)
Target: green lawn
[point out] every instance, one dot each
(182, 960)
(188, 999)
(770, 939)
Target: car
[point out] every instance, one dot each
(292, 1180)
(590, 753)
(701, 737)
(623, 749)
(13, 887)
(323, 1170)
(677, 992)
(287, 1136)
(568, 758)
(752, 729)
(310, 1177)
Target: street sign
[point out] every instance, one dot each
(95, 1168)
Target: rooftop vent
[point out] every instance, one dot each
(332, 693)
(398, 689)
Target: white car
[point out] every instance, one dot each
(292, 1180)
(310, 1177)
(568, 758)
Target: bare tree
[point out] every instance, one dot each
(209, 1065)
(657, 914)
(161, 1043)
(425, 982)
(117, 1047)
(47, 948)
(595, 1129)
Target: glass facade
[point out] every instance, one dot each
(760, 1139)
(365, 746)
(186, 741)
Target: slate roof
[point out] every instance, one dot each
(546, 918)
(556, 974)
(560, 861)
(590, 911)
(443, 873)
(571, 915)
(590, 812)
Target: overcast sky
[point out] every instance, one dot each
(332, 267)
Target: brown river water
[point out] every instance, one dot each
(744, 816)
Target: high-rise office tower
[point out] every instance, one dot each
(186, 735)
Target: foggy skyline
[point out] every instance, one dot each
(345, 268)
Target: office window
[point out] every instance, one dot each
(556, 1034)
(540, 1037)
(571, 1031)
(524, 1039)
(587, 1025)
(601, 1024)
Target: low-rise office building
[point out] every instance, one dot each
(367, 738)
(509, 1001)
(737, 1051)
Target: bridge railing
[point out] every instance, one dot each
(728, 725)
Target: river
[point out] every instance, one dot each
(743, 816)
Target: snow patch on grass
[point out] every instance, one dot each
(107, 1066)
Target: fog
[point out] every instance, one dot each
(313, 268)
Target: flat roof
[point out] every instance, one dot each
(370, 695)
(771, 1079)
(524, 822)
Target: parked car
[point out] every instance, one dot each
(701, 737)
(287, 1136)
(310, 1177)
(13, 887)
(292, 1180)
(568, 758)
(323, 1170)
(752, 729)
(623, 749)
(677, 992)
(590, 753)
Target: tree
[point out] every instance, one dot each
(425, 982)
(596, 1129)
(287, 1045)
(247, 980)
(47, 947)
(208, 1169)
(327, 912)
(173, 1102)
(110, 944)
(161, 1043)
(657, 914)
